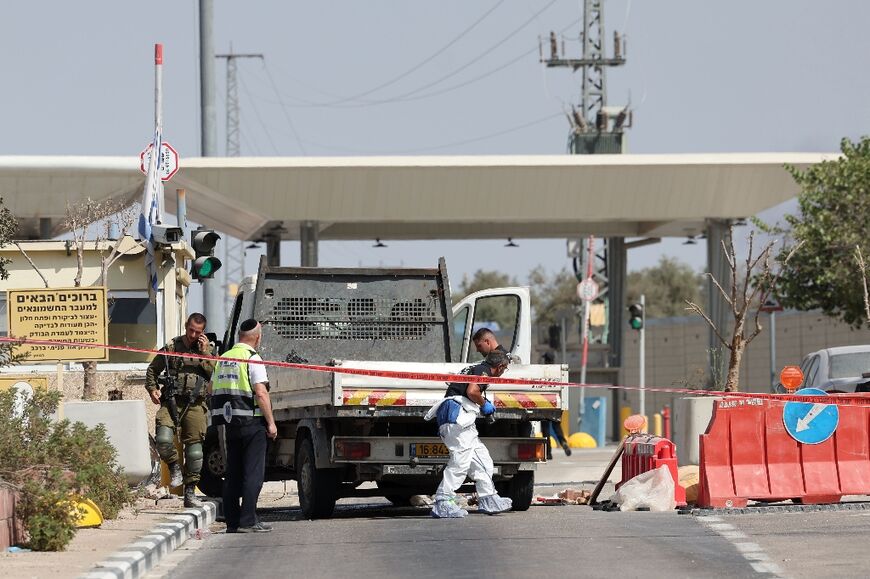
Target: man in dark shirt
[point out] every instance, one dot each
(456, 413)
(484, 341)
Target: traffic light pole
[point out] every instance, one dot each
(642, 362)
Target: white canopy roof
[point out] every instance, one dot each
(427, 197)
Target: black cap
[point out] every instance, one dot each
(248, 325)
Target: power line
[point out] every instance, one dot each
(257, 114)
(479, 56)
(314, 104)
(425, 61)
(252, 145)
(435, 147)
(284, 109)
(485, 137)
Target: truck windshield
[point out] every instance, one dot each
(849, 365)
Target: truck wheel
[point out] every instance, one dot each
(521, 489)
(318, 487)
(211, 477)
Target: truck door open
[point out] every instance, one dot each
(505, 311)
(231, 331)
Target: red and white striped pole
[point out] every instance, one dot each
(158, 88)
(584, 329)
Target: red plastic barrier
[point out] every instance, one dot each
(747, 454)
(645, 452)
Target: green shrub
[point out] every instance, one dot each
(52, 461)
(46, 512)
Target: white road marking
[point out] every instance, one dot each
(752, 552)
(771, 568)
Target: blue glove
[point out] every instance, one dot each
(487, 408)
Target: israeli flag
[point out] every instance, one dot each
(152, 201)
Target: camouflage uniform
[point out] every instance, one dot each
(192, 413)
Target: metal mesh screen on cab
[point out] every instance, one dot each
(335, 318)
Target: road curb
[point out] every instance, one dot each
(763, 509)
(136, 559)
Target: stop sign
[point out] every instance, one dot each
(167, 164)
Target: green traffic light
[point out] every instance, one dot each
(636, 323)
(204, 267)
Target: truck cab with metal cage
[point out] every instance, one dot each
(348, 435)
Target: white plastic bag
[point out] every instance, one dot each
(653, 489)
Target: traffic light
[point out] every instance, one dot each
(636, 317)
(205, 263)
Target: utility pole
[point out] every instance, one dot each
(208, 114)
(598, 129)
(595, 128)
(234, 249)
(211, 292)
(233, 145)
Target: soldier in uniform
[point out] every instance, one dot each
(182, 403)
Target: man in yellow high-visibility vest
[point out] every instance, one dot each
(240, 401)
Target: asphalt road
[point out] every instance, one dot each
(369, 539)
(559, 541)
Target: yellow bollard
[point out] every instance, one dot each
(565, 425)
(657, 424)
(624, 412)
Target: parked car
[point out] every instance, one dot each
(835, 369)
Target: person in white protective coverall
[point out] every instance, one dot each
(456, 413)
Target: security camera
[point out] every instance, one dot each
(166, 234)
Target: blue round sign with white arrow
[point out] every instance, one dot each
(810, 423)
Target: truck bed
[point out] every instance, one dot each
(319, 394)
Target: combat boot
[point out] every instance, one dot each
(175, 476)
(190, 500)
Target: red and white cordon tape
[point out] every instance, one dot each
(838, 399)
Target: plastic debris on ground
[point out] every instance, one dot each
(653, 490)
(566, 497)
(17, 549)
(421, 501)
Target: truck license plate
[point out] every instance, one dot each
(429, 450)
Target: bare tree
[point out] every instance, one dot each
(106, 216)
(30, 261)
(862, 267)
(746, 294)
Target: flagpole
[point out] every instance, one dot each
(158, 87)
(158, 110)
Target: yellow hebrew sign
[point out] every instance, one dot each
(74, 314)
